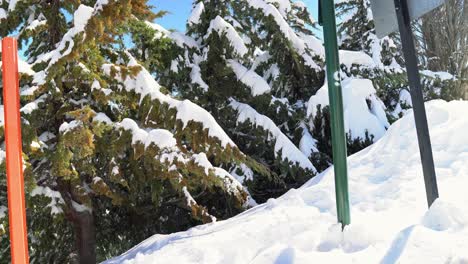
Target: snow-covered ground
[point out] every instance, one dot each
(390, 220)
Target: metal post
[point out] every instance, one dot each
(327, 17)
(424, 140)
(14, 158)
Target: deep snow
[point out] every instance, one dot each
(390, 220)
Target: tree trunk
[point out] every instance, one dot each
(430, 39)
(83, 222)
(85, 237)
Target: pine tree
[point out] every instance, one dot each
(110, 157)
(357, 33)
(249, 66)
(292, 61)
(363, 58)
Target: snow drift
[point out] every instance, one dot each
(390, 220)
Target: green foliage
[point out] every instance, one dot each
(80, 167)
(271, 55)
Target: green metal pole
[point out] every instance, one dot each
(327, 17)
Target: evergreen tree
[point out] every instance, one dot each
(252, 65)
(363, 57)
(374, 83)
(357, 33)
(110, 158)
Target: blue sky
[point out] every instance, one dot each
(180, 10)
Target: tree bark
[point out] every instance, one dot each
(85, 237)
(445, 40)
(83, 223)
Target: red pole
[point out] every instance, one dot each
(14, 159)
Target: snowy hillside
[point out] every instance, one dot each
(390, 221)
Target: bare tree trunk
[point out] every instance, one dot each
(82, 219)
(430, 45)
(85, 237)
(444, 33)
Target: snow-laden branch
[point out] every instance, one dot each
(298, 43)
(144, 84)
(220, 26)
(255, 82)
(283, 144)
(171, 153)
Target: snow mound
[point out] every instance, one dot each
(443, 216)
(390, 220)
(363, 110)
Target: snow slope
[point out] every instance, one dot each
(390, 220)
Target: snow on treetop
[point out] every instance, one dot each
(390, 221)
(3, 14)
(308, 144)
(160, 30)
(80, 19)
(250, 78)
(348, 58)
(313, 43)
(99, 4)
(284, 6)
(299, 4)
(358, 117)
(298, 43)
(11, 4)
(34, 105)
(196, 75)
(194, 18)
(220, 26)
(376, 53)
(282, 143)
(181, 39)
